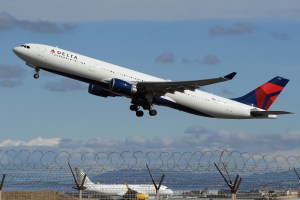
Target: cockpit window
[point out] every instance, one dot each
(25, 46)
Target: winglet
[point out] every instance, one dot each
(230, 76)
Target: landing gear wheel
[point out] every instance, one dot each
(152, 112)
(36, 76)
(133, 107)
(139, 113)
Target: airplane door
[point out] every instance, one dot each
(40, 52)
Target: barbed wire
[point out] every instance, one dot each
(166, 161)
(32, 169)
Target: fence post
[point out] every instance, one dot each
(157, 187)
(1, 185)
(79, 186)
(234, 186)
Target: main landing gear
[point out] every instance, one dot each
(36, 74)
(140, 113)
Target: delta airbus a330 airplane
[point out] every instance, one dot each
(145, 91)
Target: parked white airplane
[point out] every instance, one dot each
(108, 80)
(141, 191)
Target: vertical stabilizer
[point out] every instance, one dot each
(79, 176)
(265, 95)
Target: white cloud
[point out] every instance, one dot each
(291, 136)
(280, 36)
(8, 22)
(156, 10)
(136, 140)
(101, 143)
(194, 139)
(11, 75)
(236, 29)
(210, 59)
(165, 57)
(166, 142)
(11, 71)
(288, 153)
(9, 83)
(39, 141)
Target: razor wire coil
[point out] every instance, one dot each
(165, 161)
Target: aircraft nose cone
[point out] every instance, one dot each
(19, 51)
(16, 50)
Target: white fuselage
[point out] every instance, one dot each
(87, 69)
(121, 189)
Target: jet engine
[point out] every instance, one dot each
(97, 90)
(122, 87)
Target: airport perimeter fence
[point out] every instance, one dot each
(32, 174)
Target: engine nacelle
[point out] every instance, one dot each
(97, 90)
(122, 87)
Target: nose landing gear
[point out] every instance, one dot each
(36, 74)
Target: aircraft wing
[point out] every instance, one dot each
(161, 88)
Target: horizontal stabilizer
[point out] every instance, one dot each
(259, 113)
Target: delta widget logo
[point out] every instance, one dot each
(64, 54)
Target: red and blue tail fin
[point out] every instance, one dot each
(263, 96)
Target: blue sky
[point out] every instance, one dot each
(177, 40)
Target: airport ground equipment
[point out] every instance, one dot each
(79, 186)
(233, 186)
(157, 187)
